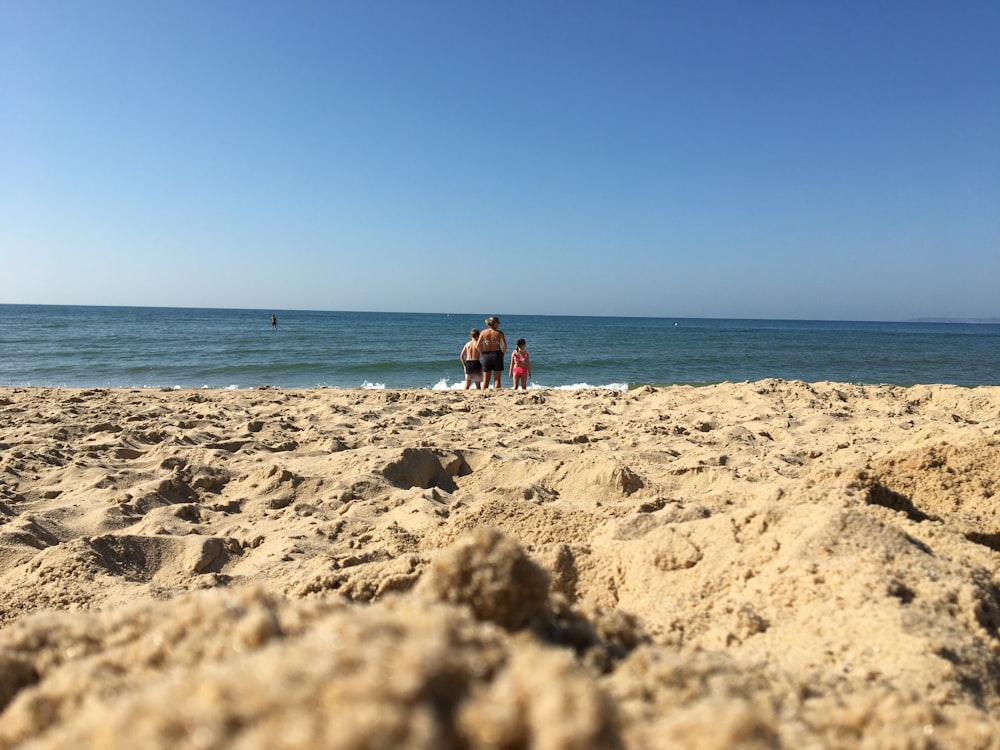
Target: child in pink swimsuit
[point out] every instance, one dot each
(520, 366)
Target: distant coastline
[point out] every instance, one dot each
(968, 321)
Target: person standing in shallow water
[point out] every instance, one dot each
(520, 366)
(274, 322)
(470, 360)
(493, 345)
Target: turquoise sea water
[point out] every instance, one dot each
(43, 345)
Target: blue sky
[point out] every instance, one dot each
(774, 159)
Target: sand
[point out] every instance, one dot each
(769, 564)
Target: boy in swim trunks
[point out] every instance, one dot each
(470, 360)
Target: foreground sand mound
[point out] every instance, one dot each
(242, 668)
(765, 564)
(956, 484)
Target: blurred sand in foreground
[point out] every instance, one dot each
(769, 564)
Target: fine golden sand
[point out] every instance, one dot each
(769, 564)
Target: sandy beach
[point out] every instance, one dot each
(767, 564)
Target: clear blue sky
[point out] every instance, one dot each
(776, 159)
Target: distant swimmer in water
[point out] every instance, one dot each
(274, 322)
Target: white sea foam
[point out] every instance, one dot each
(444, 385)
(373, 386)
(584, 387)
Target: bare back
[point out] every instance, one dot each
(492, 340)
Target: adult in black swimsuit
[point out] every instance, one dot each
(493, 345)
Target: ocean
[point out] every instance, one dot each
(154, 347)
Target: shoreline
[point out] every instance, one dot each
(458, 386)
(776, 561)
